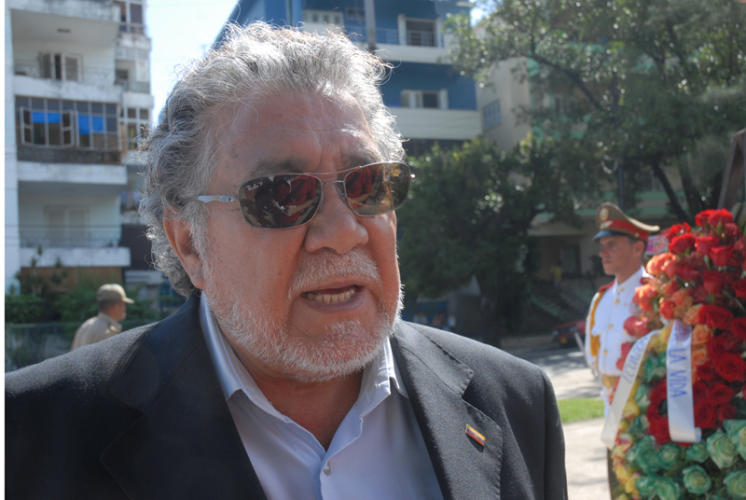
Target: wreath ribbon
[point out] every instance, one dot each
(679, 385)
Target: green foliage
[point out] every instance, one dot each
(468, 216)
(577, 409)
(638, 82)
(23, 308)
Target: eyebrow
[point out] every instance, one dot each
(269, 167)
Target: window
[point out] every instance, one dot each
(136, 124)
(55, 122)
(58, 66)
(67, 226)
(421, 33)
(131, 16)
(421, 99)
(491, 115)
(323, 17)
(121, 76)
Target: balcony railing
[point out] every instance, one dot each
(390, 36)
(91, 75)
(33, 236)
(61, 154)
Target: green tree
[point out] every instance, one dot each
(468, 216)
(643, 83)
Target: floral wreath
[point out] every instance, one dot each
(700, 281)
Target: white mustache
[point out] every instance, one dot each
(327, 265)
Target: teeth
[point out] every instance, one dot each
(331, 298)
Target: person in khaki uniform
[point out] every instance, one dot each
(112, 308)
(622, 242)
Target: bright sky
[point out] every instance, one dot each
(180, 30)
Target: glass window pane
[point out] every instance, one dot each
(81, 106)
(97, 107)
(53, 104)
(144, 113)
(131, 113)
(22, 102)
(135, 13)
(68, 105)
(37, 103)
(111, 109)
(71, 69)
(39, 133)
(97, 123)
(54, 133)
(84, 124)
(111, 123)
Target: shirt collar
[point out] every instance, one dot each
(108, 319)
(379, 376)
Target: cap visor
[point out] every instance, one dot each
(128, 300)
(605, 233)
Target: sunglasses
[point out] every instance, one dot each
(289, 200)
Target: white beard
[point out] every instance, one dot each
(344, 347)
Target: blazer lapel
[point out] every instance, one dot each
(184, 444)
(436, 382)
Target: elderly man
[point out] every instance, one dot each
(112, 308)
(270, 191)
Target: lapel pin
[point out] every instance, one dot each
(475, 435)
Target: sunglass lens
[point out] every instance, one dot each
(378, 188)
(280, 201)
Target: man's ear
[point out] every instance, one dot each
(179, 235)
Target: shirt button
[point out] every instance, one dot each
(611, 327)
(616, 301)
(328, 469)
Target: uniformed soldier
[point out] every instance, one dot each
(622, 245)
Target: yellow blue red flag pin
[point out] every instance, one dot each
(475, 435)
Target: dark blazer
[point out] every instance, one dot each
(142, 416)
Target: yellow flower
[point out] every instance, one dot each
(629, 486)
(630, 410)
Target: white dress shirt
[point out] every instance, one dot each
(377, 451)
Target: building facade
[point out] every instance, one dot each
(432, 102)
(77, 98)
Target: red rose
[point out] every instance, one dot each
(739, 288)
(657, 395)
(716, 217)
(730, 366)
(720, 393)
(731, 230)
(740, 245)
(704, 243)
(686, 272)
(706, 372)
(681, 244)
(670, 287)
(704, 414)
(738, 328)
(626, 346)
(667, 308)
(702, 218)
(714, 316)
(658, 428)
(676, 230)
(725, 412)
(636, 327)
(721, 255)
(723, 343)
(713, 281)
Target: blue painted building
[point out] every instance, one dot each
(431, 100)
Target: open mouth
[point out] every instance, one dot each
(332, 295)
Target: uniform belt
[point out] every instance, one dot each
(609, 381)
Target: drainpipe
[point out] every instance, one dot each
(370, 25)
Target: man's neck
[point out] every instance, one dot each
(624, 276)
(318, 407)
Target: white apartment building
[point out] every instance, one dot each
(77, 96)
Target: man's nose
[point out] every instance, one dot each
(335, 226)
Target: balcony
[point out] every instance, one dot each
(71, 173)
(74, 246)
(415, 46)
(96, 83)
(423, 123)
(87, 22)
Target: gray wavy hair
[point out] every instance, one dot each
(253, 61)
